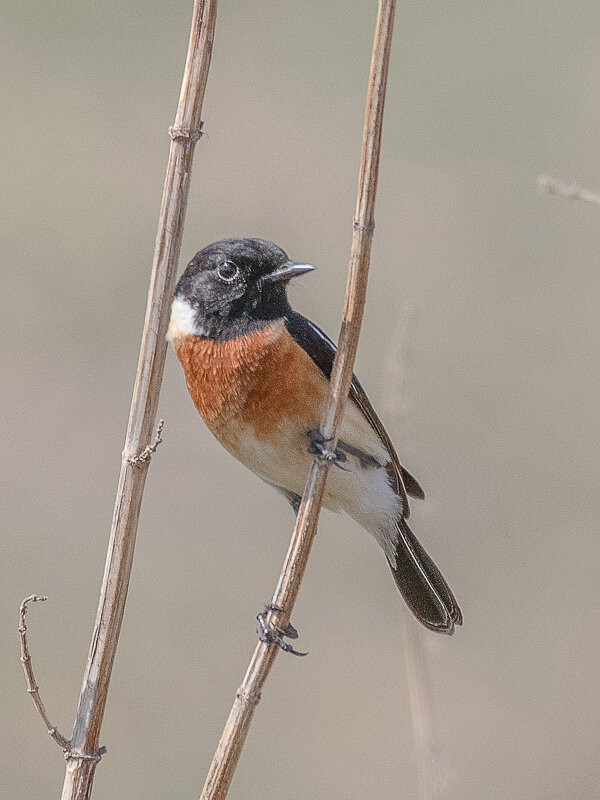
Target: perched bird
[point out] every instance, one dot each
(258, 373)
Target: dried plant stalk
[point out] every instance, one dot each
(418, 683)
(571, 191)
(83, 753)
(248, 695)
(421, 710)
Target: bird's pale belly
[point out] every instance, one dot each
(260, 395)
(283, 460)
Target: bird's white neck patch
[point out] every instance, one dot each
(183, 320)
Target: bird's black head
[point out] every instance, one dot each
(232, 288)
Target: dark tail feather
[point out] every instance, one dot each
(422, 584)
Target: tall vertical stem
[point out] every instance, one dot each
(84, 754)
(248, 695)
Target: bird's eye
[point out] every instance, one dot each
(228, 271)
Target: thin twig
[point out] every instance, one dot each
(547, 185)
(149, 451)
(248, 695)
(81, 761)
(32, 686)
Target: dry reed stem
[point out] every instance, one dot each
(247, 697)
(421, 709)
(547, 185)
(84, 752)
(418, 682)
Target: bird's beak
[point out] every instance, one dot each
(287, 271)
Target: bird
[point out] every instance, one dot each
(258, 373)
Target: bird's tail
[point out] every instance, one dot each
(422, 585)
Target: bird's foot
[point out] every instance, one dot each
(318, 447)
(273, 634)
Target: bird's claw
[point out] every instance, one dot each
(318, 447)
(273, 634)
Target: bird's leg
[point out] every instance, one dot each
(318, 447)
(273, 634)
(295, 503)
(293, 499)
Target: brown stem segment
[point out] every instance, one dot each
(248, 695)
(82, 757)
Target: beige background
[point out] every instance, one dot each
(500, 397)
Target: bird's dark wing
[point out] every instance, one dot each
(322, 351)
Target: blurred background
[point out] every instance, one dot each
(494, 290)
